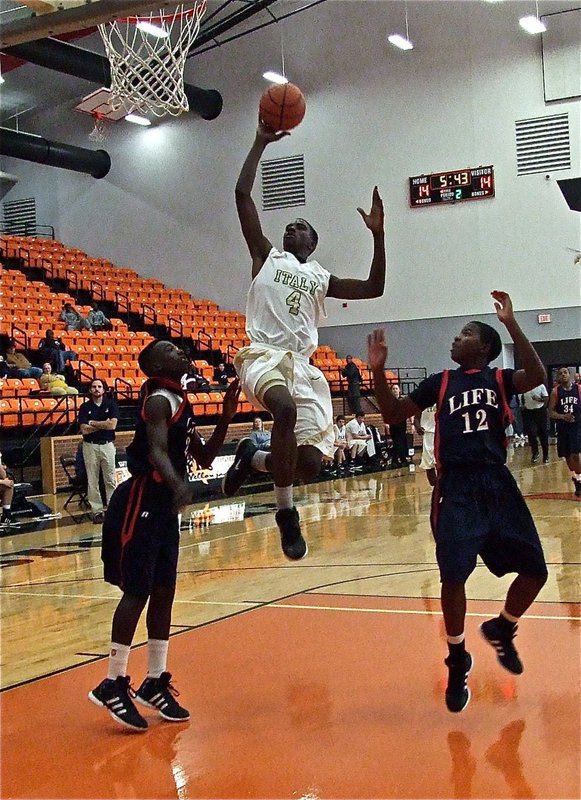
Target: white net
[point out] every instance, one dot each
(147, 56)
(98, 133)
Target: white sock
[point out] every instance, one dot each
(118, 658)
(156, 657)
(455, 639)
(258, 461)
(283, 496)
(504, 613)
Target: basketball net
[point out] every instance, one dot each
(147, 71)
(98, 133)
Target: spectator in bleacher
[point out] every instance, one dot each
(258, 436)
(74, 321)
(354, 379)
(53, 383)
(6, 494)
(222, 374)
(20, 366)
(54, 351)
(97, 320)
(195, 381)
(97, 420)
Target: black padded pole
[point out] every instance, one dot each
(73, 60)
(54, 154)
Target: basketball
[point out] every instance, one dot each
(282, 106)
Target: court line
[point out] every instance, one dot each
(253, 604)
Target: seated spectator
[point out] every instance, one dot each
(6, 494)
(258, 435)
(20, 366)
(195, 381)
(340, 443)
(53, 383)
(74, 321)
(357, 438)
(97, 320)
(222, 374)
(54, 351)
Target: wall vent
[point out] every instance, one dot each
(543, 144)
(20, 217)
(283, 182)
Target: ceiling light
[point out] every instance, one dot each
(274, 77)
(400, 41)
(153, 30)
(532, 24)
(137, 120)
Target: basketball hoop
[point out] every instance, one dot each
(148, 55)
(98, 133)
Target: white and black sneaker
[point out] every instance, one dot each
(160, 694)
(240, 469)
(457, 691)
(500, 636)
(115, 696)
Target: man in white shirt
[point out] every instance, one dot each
(284, 306)
(535, 421)
(358, 439)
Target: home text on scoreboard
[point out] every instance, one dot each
(452, 186)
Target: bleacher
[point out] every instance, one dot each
(28, 307)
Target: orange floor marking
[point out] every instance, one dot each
(314, 704)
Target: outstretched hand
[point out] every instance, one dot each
(503, 306)
(376, 349)
(267, 135)
(230, 402)
(374, 220)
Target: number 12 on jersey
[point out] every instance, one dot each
(481, 420)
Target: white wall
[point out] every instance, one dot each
(375, 115)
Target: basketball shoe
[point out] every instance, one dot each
(160, 694)
(115, 696)
(240, 469)
(457, 691)
(293, 545)
(577, 485)
(500, 636)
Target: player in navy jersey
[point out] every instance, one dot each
(477, 508)
(141, 531)
(565, 409)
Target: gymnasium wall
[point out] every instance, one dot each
(375, 115)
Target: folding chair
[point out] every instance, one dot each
(77, 486)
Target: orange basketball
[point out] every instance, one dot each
(282, 106)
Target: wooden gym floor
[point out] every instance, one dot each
(322, 679)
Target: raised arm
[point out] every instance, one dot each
(533, 372)
(352, 288)
(258, 244)
(393, 409)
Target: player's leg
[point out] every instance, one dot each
(574, 463)
(157, 690)
(458, 533)
(543, 431)
(512, 546)
(6, 496)
(127, 557)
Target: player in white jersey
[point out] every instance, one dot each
(285, 304)
(425, 425)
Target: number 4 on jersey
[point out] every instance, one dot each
(293, 302)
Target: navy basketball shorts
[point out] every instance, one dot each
(568, 438)
(140, 544)
(479, 511)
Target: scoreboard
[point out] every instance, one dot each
(452, 186)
